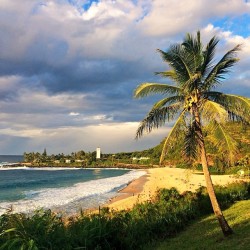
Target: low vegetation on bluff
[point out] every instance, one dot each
(168, 213)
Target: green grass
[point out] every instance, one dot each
(169, 214)
(205, 233)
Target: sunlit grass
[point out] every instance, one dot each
(205, 233)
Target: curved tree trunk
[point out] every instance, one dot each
(210, 188)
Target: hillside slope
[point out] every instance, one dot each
(205, 234)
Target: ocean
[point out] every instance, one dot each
(5, 159)
(60, 189)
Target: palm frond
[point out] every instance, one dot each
(238, 107)
(222, 140)
(208, 55)
(191, 140)
(172, 134)
(221, 68)
(148, 88)
(213, 111)
(157, 118)
(193, 52)
(169, 100)
(192, 83)
(212, 95)
(193, 43)
(171, 74)
(176, 60)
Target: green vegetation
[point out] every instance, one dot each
(74, 159)
(204, 233)
(217, 161)
(88, 159)
(164, 217)
(193, 104)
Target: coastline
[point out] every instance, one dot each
(70, 191)
(145, 187)
(133, 189)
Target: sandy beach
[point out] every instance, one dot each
(144, 188)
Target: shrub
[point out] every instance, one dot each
(165, 216)
(42, 230)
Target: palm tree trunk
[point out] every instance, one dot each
(210, 188)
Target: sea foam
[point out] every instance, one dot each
(71, 199)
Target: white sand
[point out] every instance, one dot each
(145, 187)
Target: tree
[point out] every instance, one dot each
(192, 103)
(44, 153)
(27, 157)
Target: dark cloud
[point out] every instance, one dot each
(68, 74)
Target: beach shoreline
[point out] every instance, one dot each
(138, 189)
(145, 187)
(66, 191)
(134, 188)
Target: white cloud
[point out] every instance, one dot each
(57, 47)
(112, 138)
(228, 40)
(104, 10)
(74, 114)
(29, 132)
(172, 17)
(98, 31)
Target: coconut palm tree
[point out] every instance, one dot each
(192, 103)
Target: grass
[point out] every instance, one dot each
(205, 233)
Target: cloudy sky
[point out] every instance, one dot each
(68, 67)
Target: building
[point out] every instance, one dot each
(98, 153)
(140, 159)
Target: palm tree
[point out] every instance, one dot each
(192, 103)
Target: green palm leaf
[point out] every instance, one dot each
(169, 100)
(213, 111)
(157, 117)
(146, 89)
(221, 139)
(191, 140)
(208, 55)
(180, 122)
(192, 83)
(193, 52)
(175, 59)
(221, 68)
(171, 74)
(238, 107)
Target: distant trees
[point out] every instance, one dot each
(28, 157)
(36, 157)
(89, 158)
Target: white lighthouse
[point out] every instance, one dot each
(98, 153)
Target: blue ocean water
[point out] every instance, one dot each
(17, 184)
(10, 159)
(26, 189)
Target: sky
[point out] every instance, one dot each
(68, 68)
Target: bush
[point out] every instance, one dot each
(165, 216)
(42, 230)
